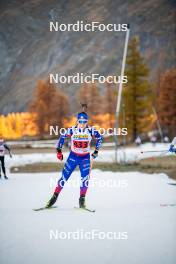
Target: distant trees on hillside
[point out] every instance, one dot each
(50, 105)
(167, 102)
(89, 94)
(110, 101)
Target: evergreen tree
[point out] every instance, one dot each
(137, 92)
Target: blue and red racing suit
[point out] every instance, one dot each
(79, 155)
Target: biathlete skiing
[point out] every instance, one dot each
(3, 147)
(172, 148)
(80, 135)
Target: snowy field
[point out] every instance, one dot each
(130, 207)
(129, 154)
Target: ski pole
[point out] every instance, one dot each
(148, 151)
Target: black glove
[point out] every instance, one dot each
(95, 154)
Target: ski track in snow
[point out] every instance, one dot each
(134, 209)
(130, 154)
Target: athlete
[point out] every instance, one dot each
(80, 136)
(173, 146)
(3, 147)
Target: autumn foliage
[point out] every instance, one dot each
(89, 94)
(167, 102)
(18, 125)
(50, 106)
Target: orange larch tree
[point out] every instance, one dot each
(167, 102)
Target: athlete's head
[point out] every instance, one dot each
(82, 119)
(1, 141)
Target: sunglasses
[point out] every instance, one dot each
(82, 121)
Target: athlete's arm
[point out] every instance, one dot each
(7, 147)
(99, 140)
(60, 143)
(61, 140)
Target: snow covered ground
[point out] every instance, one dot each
(129, 154)
(130, 208)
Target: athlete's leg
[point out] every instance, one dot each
(70, 165)
(84, 167)
(0, 165)
(3, 166)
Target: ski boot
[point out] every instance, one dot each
(82, 201)
(52, 200)
(5, 177)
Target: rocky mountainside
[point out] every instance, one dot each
(29, 51)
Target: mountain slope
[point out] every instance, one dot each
(29, 51)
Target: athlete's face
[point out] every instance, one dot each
(82, 124)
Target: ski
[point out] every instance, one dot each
(85, 209)
(167, 205)
(44, 208)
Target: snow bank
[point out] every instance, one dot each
(132, 209)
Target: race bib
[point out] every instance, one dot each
(80, 142)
